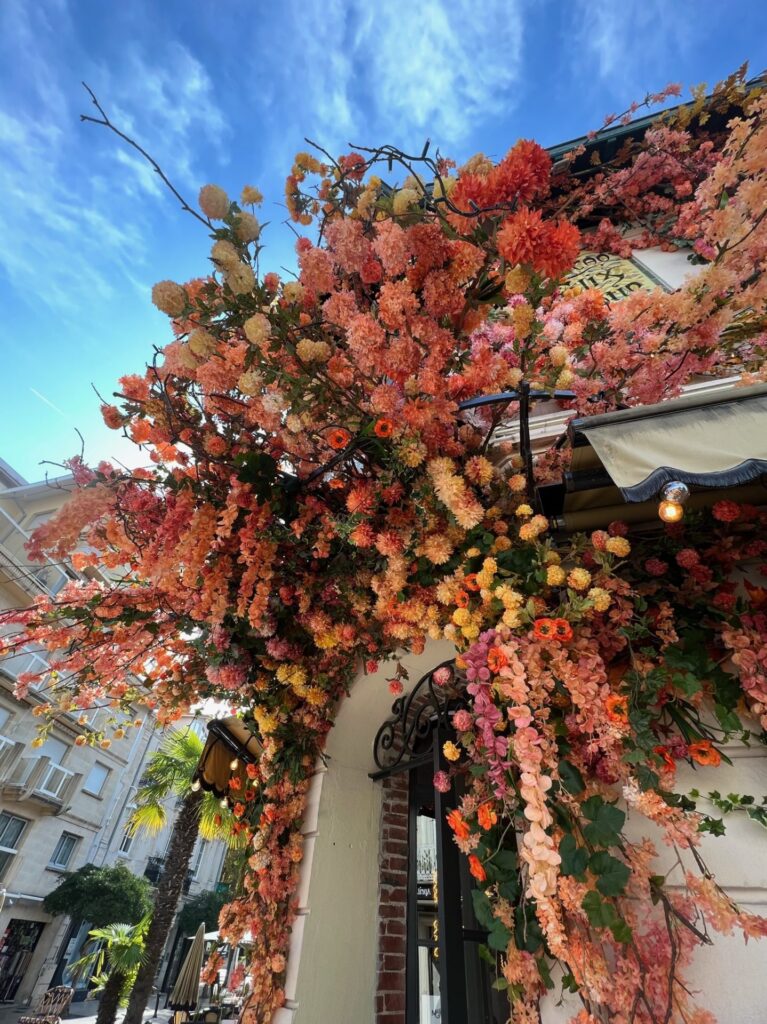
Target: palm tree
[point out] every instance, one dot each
(116, 958)
(170, 772)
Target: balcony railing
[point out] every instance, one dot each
(154, 868)
(35, 578)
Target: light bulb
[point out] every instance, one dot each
(670, 511)
(224, 802)
(195, 785)
(233, 764)
(676, 491)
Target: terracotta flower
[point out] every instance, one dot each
(617, 708)
(543, 629)
(470, 582)
(486, 816)
(383, 428)
(496, 659)
(703, 752)
(458, 824)
(462, 599)
(563, 630)
(666, 756)
(475, 867)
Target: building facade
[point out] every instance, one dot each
(61, 805)
(369, 870)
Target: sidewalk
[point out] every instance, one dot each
(85, 1013)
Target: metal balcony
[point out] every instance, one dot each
(38, 780)
(154, 869)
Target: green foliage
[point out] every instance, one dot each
(574, 858)
(202, 909)
(602, 914)
(612, 874)
(118, 949)
(733, 802)
(605, 821)
(101, 896)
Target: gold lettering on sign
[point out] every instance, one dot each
(614, 276)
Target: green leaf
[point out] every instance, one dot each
(571, 778)
(599, 913)
(605, 821)
(499, 936)
(612, 874)
(574, 857)
(482, 909)
(621, 931)
(728, 720)
(486, 955)
(646, 777)
(500, 984)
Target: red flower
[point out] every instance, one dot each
(543, 629)
(726, 511)
(462, 599)
(338, 438)
(475, 867)
(384, 427)
(562, 630)
(617, 708)
(486, 816)
(470, 582)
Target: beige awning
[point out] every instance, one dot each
(185, 992)
(705, 441)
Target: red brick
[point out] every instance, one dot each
(391, 894)
(395, 1000)
(394, 927)
(393, 863)
(393, 982)
(393, 962)
(391, 944)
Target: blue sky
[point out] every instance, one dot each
(225, 92)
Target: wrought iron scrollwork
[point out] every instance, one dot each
(415, 715)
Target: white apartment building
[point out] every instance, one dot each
(61, 806)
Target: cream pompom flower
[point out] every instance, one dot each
(251, 196)
(214, 202)
(169, 297)
(246, 227)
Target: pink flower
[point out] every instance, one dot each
(442, 782)
(462, 720)
(442, 676)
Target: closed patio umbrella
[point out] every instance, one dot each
(185, 992)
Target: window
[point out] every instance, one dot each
(97, 776)
(54, 749)
(127, 840)
(11, 829)
(201, 845)
(64, 850)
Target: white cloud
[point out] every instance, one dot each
(438, 67)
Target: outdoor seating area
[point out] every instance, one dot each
(53, 1005)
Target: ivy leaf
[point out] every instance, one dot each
(486, 955)
(646, 777)
(499, 936)
(621, 931)
(612, 874)
(571, 778)
(727, 718)
(599, 913)
(605, 821)
(574, 858)
(500, 984)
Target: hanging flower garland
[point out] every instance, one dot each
(318, 502)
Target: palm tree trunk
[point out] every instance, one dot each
(177, 859)
(110, 998)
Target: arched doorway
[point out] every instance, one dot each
(449, 968)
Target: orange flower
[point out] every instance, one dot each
(543, 629)
(384, 427)
(563, 630)
(665, 755)
(336, 484)
(475, 867)
(456, 822)
(462, 599)
(496, 659)
(704, 753)
(239, 810)
(486, 816)
(470, 582)
(338, 438)
(617, 708)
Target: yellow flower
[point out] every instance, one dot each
(523, 510)
(293, 291)
(490, 566)
(214, 202)
(579, 578)
(169, 297)
(224, 254)
(403, 200)
(240, 278)
(473, 552)
(501, 543)
(461, 617)
(618, 546)
(451, 751)
(517, 280)
(558, 355)
(37, 742)
(552, 558)
(555, 575)
(251, 196)
(564, 379)
(510, 618)
(119, 734)
(201, 342)
(471, 632)
(600, 597)
(522, 317)
(105, 744)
